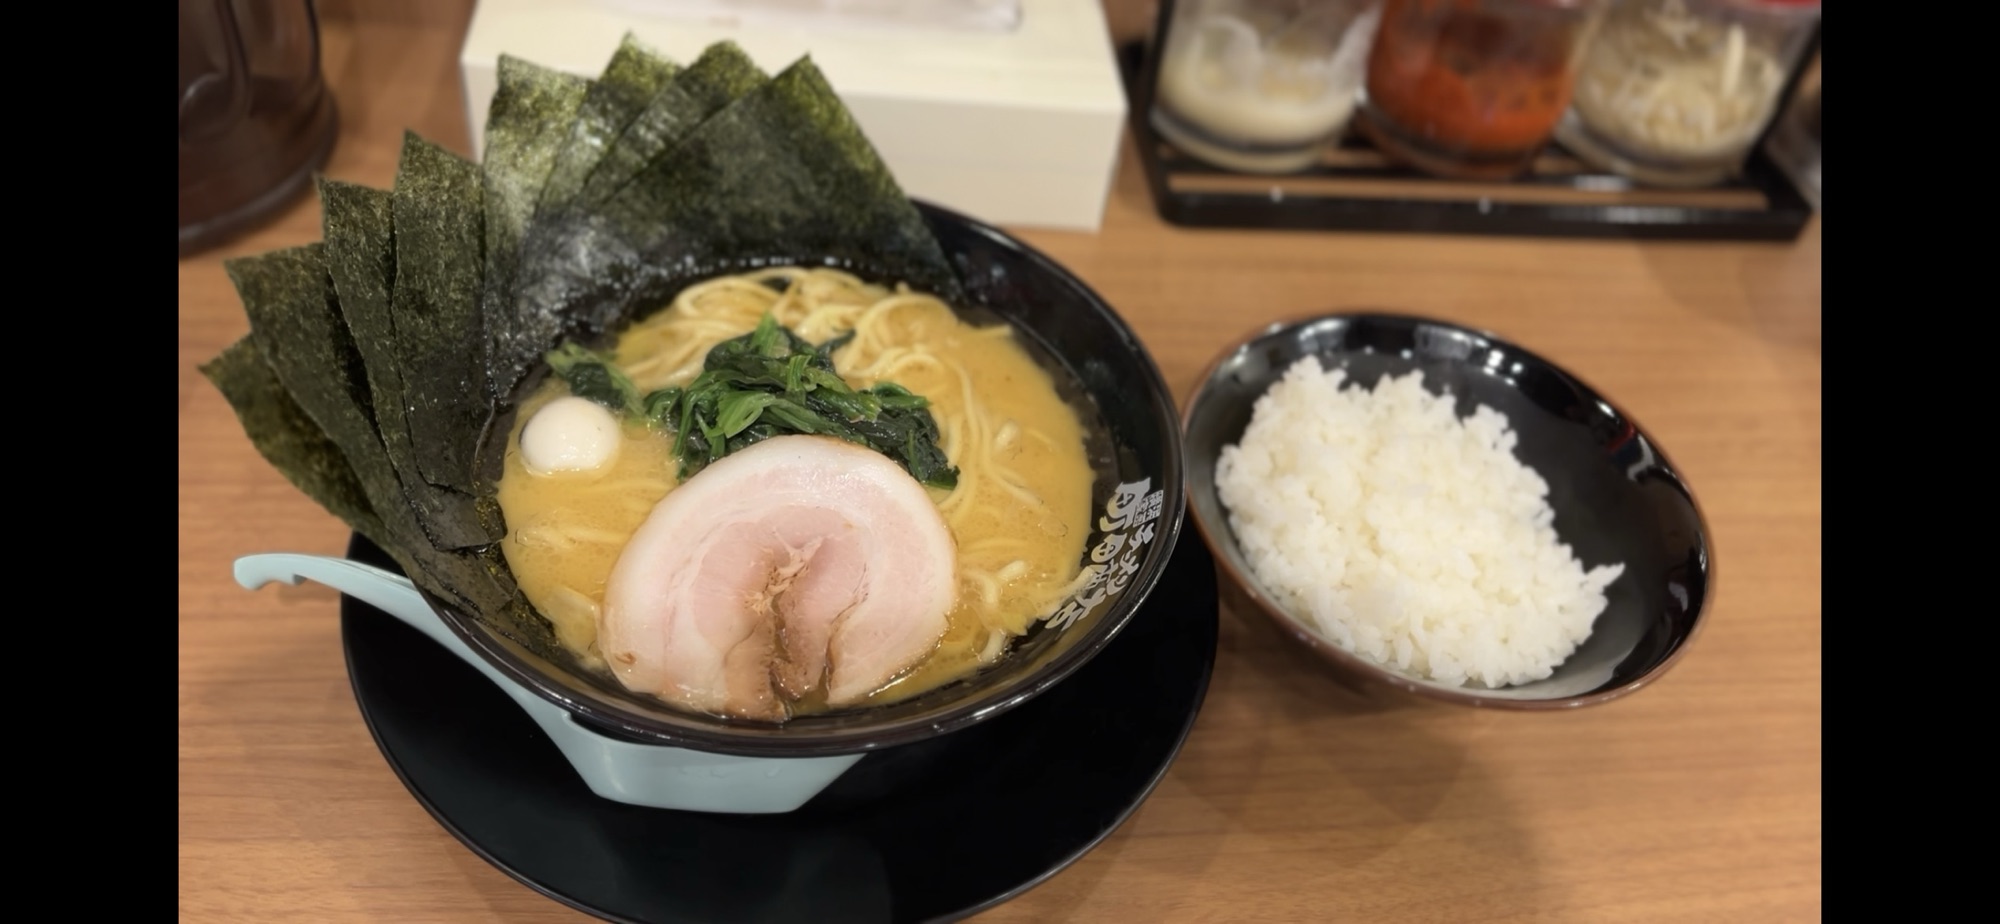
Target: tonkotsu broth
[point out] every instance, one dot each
(1020, 514)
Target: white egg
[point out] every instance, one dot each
(570, 434)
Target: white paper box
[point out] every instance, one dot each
(1013, 127)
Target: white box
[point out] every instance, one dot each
(1016, 127)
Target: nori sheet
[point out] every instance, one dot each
(286, 436)
(783, 173)
(781, 176)
(434, 306)
(630, 80)
(358, 229)
(562, 240)
(296, 324)
(315, 398)
(526, 125)
(720, 76)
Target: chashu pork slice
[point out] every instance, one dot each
(795, 563)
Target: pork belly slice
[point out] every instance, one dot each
(796, 564)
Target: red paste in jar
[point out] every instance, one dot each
(1475, 74)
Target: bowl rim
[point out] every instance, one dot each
(746, 739)
(1220, 541)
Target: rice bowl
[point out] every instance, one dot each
(1615, 496)
(1403, 534)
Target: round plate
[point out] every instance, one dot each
(939, 829)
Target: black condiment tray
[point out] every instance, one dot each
(1356, 187)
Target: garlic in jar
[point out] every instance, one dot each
(1677, 91)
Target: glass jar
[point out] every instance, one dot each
(1794, 139)
(1677, 92)
(1260, 85)
(1473, 88)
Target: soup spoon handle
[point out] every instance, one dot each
(639, 774)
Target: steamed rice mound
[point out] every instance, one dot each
(1403, 534)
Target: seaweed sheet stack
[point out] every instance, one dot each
(382, 362)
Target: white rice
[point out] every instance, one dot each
(1403, 534)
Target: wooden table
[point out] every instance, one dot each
(1697, 799)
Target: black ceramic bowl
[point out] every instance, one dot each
(1139, 466)
(1616, 497)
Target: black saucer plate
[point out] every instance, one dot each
(935, 830)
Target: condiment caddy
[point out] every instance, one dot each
(1627, 118)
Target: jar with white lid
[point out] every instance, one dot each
(1677, 92)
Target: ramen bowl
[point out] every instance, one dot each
(635, 748)
(1615, 496)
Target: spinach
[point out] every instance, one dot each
(594, 376)
(766, 383)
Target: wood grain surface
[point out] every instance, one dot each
(1697, 799)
